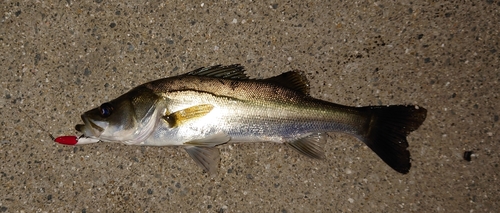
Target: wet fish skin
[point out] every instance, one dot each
(216, 105)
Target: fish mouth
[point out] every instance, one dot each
(90, 128)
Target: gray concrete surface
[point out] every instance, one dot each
(61, 58)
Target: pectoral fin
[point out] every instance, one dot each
(206, 157)
(311, 146)
(177, 118)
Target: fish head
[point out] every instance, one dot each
(108, 121)
(127, 119)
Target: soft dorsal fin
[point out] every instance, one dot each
(295, 80)
(235, 71)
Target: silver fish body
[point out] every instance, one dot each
(216, 105)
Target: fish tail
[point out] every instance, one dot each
(386, 132)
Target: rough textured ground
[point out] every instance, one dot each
(61, 58)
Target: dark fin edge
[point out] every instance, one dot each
(387, 130)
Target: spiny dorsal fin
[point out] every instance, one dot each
(235, 71)
(295, 80)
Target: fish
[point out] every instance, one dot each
(216, 105)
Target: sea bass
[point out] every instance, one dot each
(216, 105)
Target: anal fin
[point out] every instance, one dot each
(310, 146)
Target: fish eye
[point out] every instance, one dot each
(105, 110)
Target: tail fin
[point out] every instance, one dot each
(387, 130)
